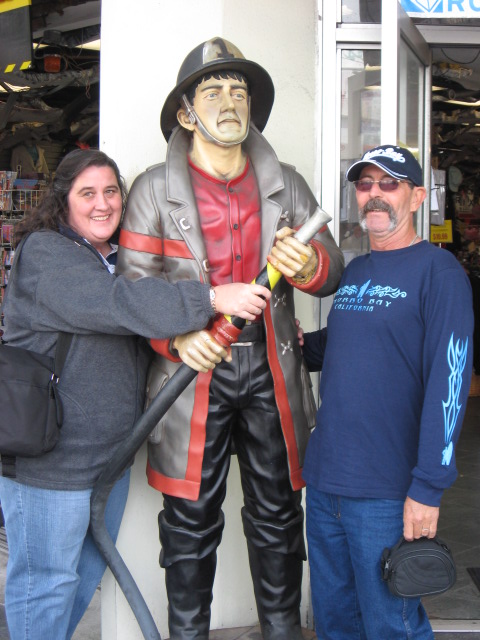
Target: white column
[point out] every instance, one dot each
(143, 46)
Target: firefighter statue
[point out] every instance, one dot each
(212, 212)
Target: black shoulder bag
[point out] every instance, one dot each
(31, 415)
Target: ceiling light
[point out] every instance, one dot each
(93, 46)
(464, 104)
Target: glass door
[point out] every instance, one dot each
(375, 89)
(406, 88)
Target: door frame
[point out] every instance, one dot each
(332, 36)
(398, 28)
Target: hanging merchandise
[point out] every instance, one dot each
(438, 195)
(16, 197)
(455, 178)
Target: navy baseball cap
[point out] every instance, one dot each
(396, 161)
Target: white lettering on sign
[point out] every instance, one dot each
(442, 8)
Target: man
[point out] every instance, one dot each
(394, 388)
(211, 212)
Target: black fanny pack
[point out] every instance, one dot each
(423, 567)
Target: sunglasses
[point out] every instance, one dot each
(385, 184)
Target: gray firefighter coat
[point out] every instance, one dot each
(162, 236)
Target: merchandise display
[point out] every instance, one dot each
(16, 197)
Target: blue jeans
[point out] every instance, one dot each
(346, 538)
(53, 566)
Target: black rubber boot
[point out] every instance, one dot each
(189, 559)
(189, 589)
(277, 582)
(276, 556)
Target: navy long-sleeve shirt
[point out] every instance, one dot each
(396, 376)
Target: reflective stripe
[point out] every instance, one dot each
(157, 246)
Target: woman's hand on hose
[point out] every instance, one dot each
(243, 300)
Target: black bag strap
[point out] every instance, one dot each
(63, 345)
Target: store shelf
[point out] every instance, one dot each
(19, 200)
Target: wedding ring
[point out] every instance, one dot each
(427, 530)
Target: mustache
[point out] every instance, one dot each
(376, 204)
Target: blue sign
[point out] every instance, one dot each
(442, 8)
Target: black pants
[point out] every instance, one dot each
(242, 411)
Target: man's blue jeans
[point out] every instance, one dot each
(346, 538)
(54, 566)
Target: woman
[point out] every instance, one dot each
(64, 283)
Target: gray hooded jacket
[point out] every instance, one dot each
(61, 284)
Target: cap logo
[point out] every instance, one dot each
(390, 153)
(219, 49)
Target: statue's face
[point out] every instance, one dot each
(223, 107)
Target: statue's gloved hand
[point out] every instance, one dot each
(200, 350)
(292, 258)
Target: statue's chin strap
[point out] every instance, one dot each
(194, 119)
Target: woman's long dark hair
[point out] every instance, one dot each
(53, 208)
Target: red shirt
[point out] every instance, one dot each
(231, 227)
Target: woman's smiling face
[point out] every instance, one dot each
(95, 205)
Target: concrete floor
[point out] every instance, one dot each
(455, 615)
(459, 608)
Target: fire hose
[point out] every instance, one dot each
(225, 331)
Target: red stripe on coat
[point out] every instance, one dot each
(188, 487)
(158, 246)
(162, 346)
(281, 396)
